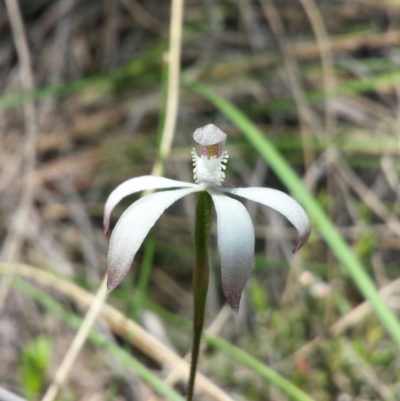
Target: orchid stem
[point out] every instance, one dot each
(200, 279)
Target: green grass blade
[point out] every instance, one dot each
(321, 221)
(291, 390)
(128, 360)
(243, 357)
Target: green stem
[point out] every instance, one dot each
(200, 279)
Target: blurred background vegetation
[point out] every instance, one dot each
(320, 81)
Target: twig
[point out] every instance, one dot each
(303, 51)
(77, 344)
(142, 16)
(306, 115)
(14, 240)
(110, 34)
(324, 47)
(165, 147)
(120, 325)
(350, 320)
(218, 323)
(309, 124)
(368, 197)
(174, 61)
(366, 371)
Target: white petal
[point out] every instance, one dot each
(132, 228)
(282, 203)
(236, 245)
(138, 184)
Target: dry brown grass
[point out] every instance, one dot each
(60, 156)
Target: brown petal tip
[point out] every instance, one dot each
(233, 302)
(106, 226)
(298, 246)
(113, 279)
(302, 240)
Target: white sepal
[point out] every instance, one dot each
(137, 184)
(133, 227)
(282, 203)
(236, 245)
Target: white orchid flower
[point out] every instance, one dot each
(235, 230)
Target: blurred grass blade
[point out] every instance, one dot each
(346, 88)
(321, 221)
(291, 390)
(128, 360)
(139, 67)
(243, 357)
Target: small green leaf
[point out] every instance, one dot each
(34, 364)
